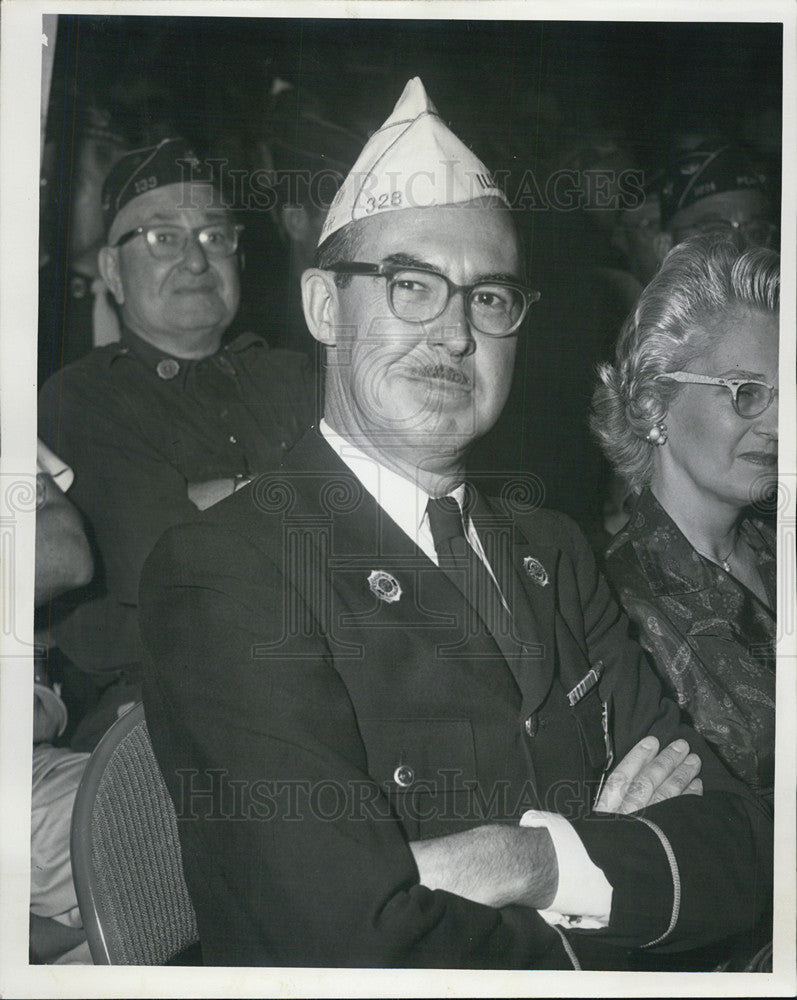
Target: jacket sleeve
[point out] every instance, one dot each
(689, 870)
(129, 492)
(291, 854)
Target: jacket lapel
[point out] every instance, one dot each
(363, 539)
(526, 574)
(371, 559)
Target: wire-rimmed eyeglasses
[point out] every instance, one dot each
(750, 397)
(417, 295)
(168, 242)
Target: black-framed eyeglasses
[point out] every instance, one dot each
(754, 233)
(750, 397)
(417, 295)
(168, 242)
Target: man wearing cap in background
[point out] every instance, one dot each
(308, 155)
(713, 186)
(716, 186)
(74, 312)
(173, 417)
(384, 705)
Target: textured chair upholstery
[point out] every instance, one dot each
(126, 857)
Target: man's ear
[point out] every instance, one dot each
(320, 303)
(108, 260)
(662, 244)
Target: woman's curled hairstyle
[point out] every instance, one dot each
(701, 278)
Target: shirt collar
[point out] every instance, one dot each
(404, 500)
(166, 366)
(169, 367)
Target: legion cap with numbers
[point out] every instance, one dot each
(171, 161)
(714, 167)
(413, 161)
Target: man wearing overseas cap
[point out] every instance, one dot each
(400, 742)
(716, 186)
(174, 416)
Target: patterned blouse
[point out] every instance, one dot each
(711, 639)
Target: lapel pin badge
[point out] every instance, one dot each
(536, 571)
(384, 585)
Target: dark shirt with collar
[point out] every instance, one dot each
(137, 426)
(711, 639)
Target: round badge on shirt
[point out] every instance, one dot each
(167, 368)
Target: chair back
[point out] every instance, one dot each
(126, 858)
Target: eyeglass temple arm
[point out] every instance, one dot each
(358, 267)
(126, 237)
(710, 379)
(692, 377)
(355, 267)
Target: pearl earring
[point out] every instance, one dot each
(657, 434)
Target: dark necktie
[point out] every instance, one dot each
(463, 566)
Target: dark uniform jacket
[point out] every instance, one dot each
(137, 426)
(318, 697)
(711, 639)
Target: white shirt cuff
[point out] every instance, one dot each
(583, 896)
(47, 461)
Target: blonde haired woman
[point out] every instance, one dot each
(688, 415)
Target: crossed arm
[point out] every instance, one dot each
(499, 865)
(355, 892)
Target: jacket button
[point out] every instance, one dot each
(531, 725)
(404, 776)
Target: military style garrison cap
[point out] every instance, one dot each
(413, 161)
(711, 168)
(171, 161)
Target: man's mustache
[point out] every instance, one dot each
(444, 372)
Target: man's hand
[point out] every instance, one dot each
(205, 494)
(645, 776)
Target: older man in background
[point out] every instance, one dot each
(174, 416)
(716, 187)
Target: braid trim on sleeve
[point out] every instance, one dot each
(676, 880)
(568, 948)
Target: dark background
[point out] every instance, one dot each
(209, 76)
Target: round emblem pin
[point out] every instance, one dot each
(167, 368)
(536, 571)
(384, 585)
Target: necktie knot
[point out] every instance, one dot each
(445, 521)
(464, 566)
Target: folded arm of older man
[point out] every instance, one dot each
(498, 865)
